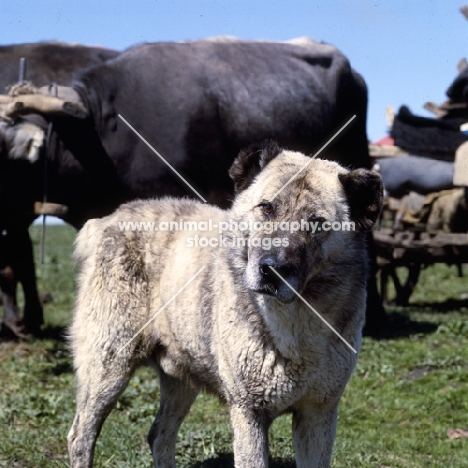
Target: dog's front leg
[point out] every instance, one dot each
(176, 398)
(250, 438)
(314, 430)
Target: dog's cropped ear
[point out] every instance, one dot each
(364, 191)
(250, 162)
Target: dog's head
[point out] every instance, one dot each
(301, 217)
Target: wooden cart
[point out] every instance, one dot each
(413, 246)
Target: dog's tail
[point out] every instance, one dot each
(87, 240)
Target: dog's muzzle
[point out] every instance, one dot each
(273, 274)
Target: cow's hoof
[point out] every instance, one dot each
(376, 325)
(32, 329)
(14, 331)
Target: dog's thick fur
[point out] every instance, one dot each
(236, 330)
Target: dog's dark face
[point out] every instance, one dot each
(302, 215)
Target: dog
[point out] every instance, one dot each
(267, 318)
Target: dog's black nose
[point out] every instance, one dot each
(265, 263)
(268, 274)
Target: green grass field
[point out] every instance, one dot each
(407, 394)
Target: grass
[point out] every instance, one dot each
(406, 393)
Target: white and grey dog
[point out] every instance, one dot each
(228, 319)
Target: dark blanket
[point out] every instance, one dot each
(458, 90)
(413, 173)
(421, 135)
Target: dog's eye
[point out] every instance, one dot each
(267, 209)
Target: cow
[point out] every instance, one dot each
(46, 62)
(197, 104)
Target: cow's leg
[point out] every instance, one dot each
(33, 316)
(102, 375)
(314, 430)
(384, 276)
(250, 438)
(11, 316)
(376, 318)
(176, 398)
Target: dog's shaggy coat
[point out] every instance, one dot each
(236, 330)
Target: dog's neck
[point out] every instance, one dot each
(292, 326)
